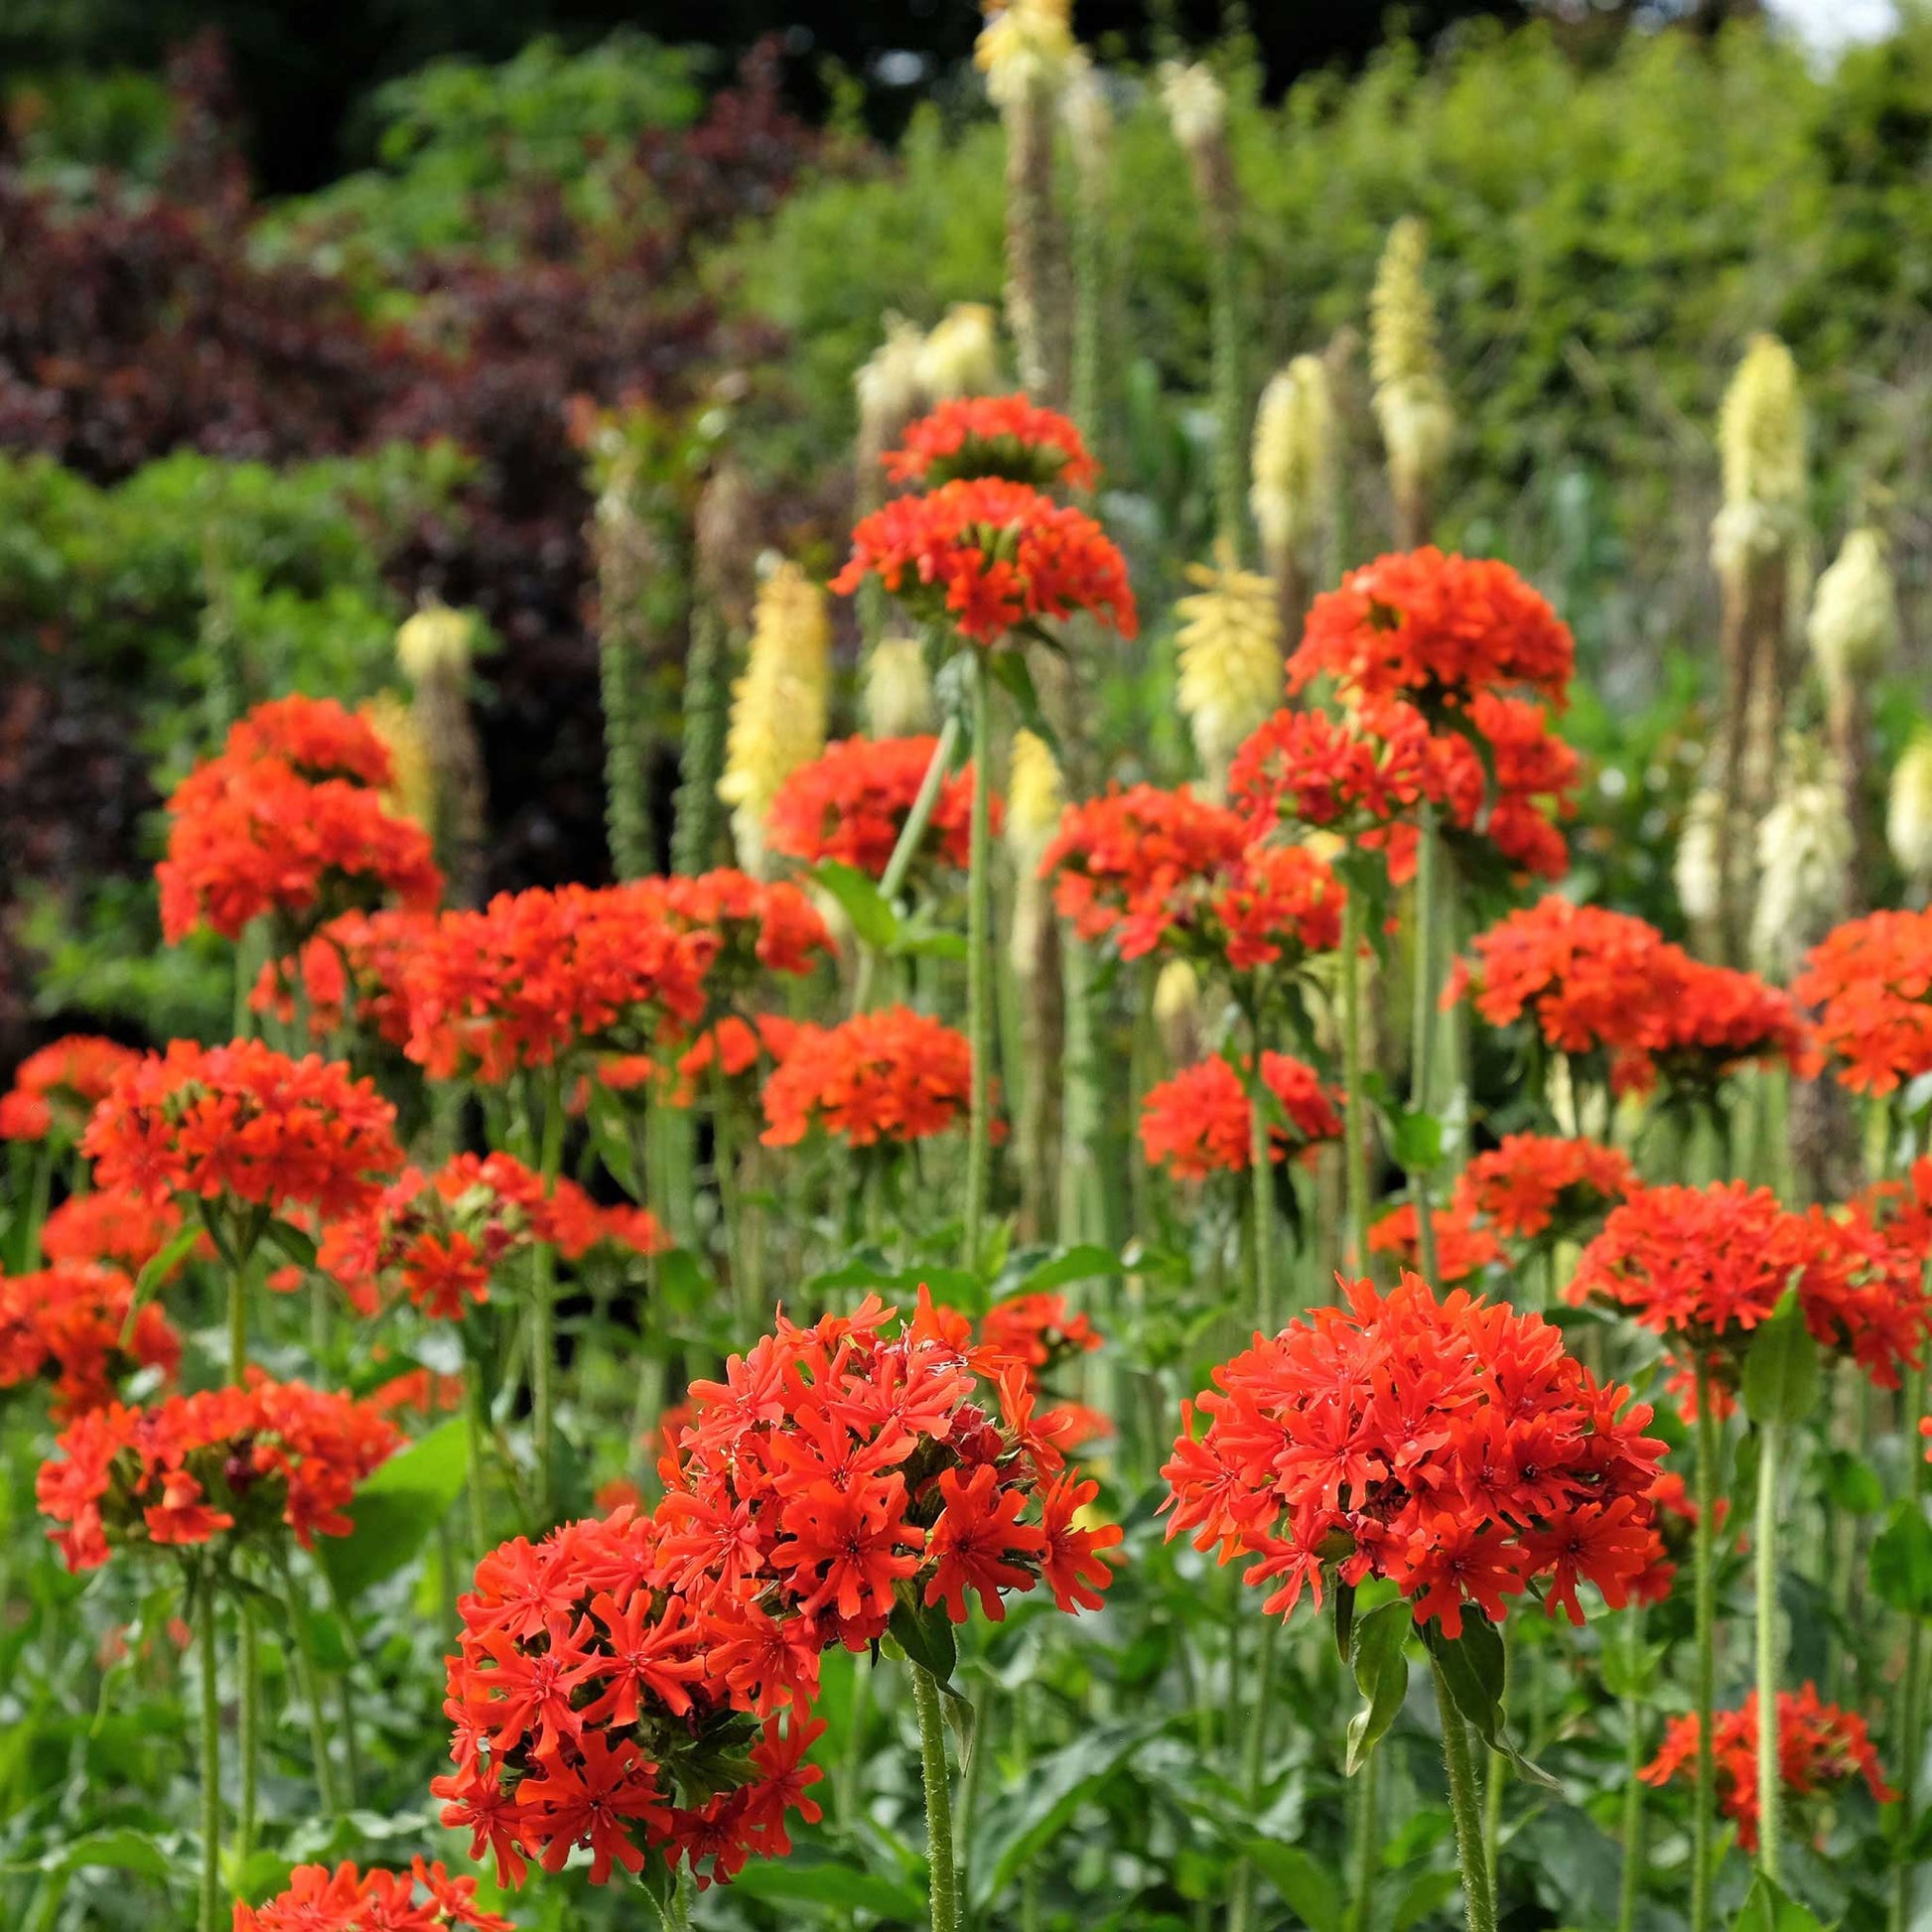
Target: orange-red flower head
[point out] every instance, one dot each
(851, 804)
(993, 436)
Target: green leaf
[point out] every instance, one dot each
(1082, 1264)
(1306, 1889)
(1416, 1140)
(294, 1245)
(872, 918)
(1769, 1908)
(925, 1633)
(1852, 1483)
(1381, 1675)
(159, 1267)
(1010, 670)
(1345, 1603)
(1901, 1560)
(808, 1879)
(1474, 1667)
(1057, 1786)
(1781, 1367)
(116, 1851)
(1425, 1895)
(396, 1511)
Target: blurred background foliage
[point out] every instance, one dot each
(296, 414)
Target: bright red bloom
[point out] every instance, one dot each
(598, 1700)
(1451, 1446)
(1602, 983)
(850, 804)
(1462, 1248)
(1435, 630)
(993, 436)
(1162, 870)
(287, 818)
(65, 1323)
(1705, 1266)
(242, 1123)
(441, 1238)
(117, 1226)
(991, 555)
(1535, 1184)
(892, 1075)
(423, 1899)
(540, 975)
(976, 1541)
(1356, 775)
(1820, 1749)
(1872, 978)
(1201, 1121)
(349, 970)
(758, 928)
(56, 1088)
(229, 1461)
(745, 1049)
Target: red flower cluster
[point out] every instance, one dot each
(349, 970)
(244, 1123)
(1819, 1748)
(1201, 1121)
(117, 1226)
(424, 1898)
(1364, 776)
(1703, 1266)
(851, 804)
(1872, 980)
(892, 1075)
(1598, 982)
(757, 928)
(1462, 1248)
(1153, 869)
(56, 1088)
(539, 975)
(1040, 1332)
(1535, 1184)
(742, 1048)
(237, 1463)
(67, 1323)
(1451, 1446)
(439, 1238)
(993, 436)
(287, 818)
(610, 1680)
(595, 1703)
(1434, 630)
(991, 555)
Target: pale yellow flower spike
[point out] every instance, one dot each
(887, 383)
(1804, 852)
(1230, 648)
(1908, 810)
(436, 641)
(1024, 46)
(898, 689)
(1854, 625)
(1195, 100)
(1035, 796)
(1412, 403)
(1293, 460)
(778, 706)
(413, 794)
(960, 356)
(1762, 441)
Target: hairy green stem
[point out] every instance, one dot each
(1704, 1558)
(210, 1901)
(1421, 1079)
(1465, 1808)
(1354, 1125)
(979, 962)
(1230, 398)
(543, 1288)
(938, 1800)
(1262, 1177)
(1770, 1443)
(1630, 1880)
(1912, 1694)
(1254, 1765)
(475, 1431)
(724, 1164)
(248, 1729)
(891, 880)
(308, 1685)
(1363, 1845)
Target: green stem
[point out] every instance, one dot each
(1254, 1764)
(1911, 1696)
(474, 1433)
(1705, 1585)
(1770, 1441)
(1422, 1081)
(1354, 1125)
(1496, 1776)
(211, 1903)
(308, 1685)
(979, 961)
(1630, 1881)
(1363, 1848)
(249, 1724)
(905, 848)
(938, 1800)
(345, 1693)
(1230, 401)
(543, 1288)
(724, 1162)
(1262, 1177)
(237, 1326)
(1465, 1806)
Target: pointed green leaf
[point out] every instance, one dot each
(396, 1511)
(1381, 1675)
(1781, 1371)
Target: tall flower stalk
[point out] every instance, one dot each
(979, 961)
